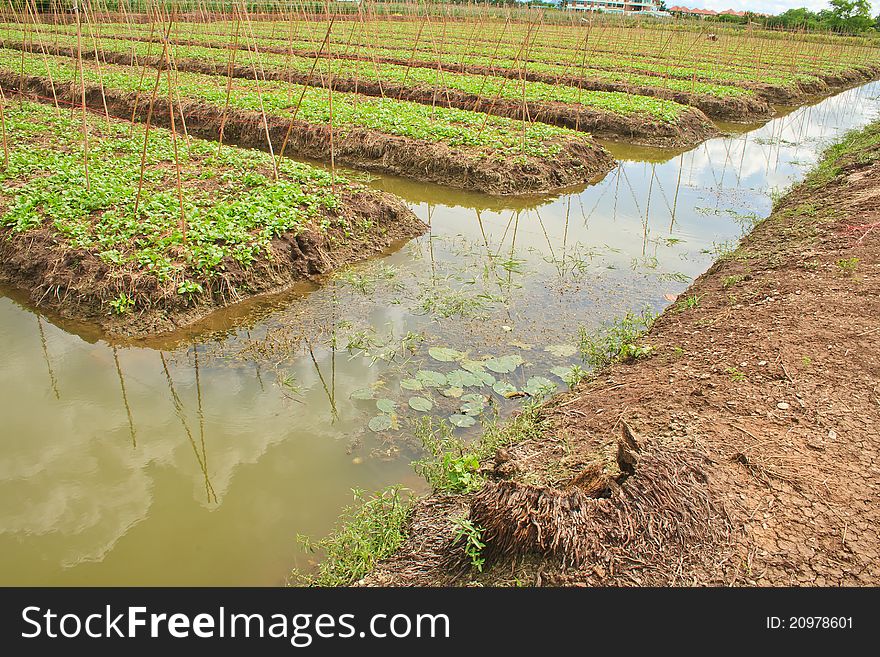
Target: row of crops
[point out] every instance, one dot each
(159, 147)
(154, 204)
(379, 133)
(734, 60)
(735, 81)
(641, 119)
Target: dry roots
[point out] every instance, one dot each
(657, 503)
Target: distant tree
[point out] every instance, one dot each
(850, 15)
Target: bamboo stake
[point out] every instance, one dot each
(149, 122)
(3, 130)
(82, 81)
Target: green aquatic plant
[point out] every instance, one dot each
(368, 531)
(618, 341)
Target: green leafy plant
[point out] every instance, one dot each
(848, 265)
(369, 530)
(618, 341)
(471, 536)
(736, 374)
(689, 302)
(121, 304)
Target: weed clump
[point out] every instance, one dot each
(370, 530)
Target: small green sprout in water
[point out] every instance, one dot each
(848, 265)
(121, 304)
(472, 537)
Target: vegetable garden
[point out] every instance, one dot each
(502, 104)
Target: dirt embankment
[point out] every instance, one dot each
(691, 127)
(745, 451)
(78, 285)
(578, 161)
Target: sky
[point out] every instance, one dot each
(764, 6)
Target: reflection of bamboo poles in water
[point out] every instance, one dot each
(675, 198)
(647, 213)
(178, 409)
(125, 398)
(631, 190)
(200, 411)
(331, 393)
(512, 253)
(557, 263)
(45, 347)
(588, 215)
(490, 266)
(431, 245)
(258, 372)
(567, 218)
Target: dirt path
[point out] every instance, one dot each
(745, 451)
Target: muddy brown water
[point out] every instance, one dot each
(198, 458)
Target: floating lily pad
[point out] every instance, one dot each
(420, 404)
(473, 366)
(471, 408)
(386, 405)
(444, 354)
(453, 392)
(484, 378)
(538, 385)
(525, 346)
(381, 422)
(481, 399)
(504, 388)
(461, 379)
(363, 393)
(411, 384)
(463, 421)
(561, 350)
(431, 379)
(562, 372)
(504, 364)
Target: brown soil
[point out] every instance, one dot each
(744, 452)
(578, 161)
(691, 128)
(78, 285)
